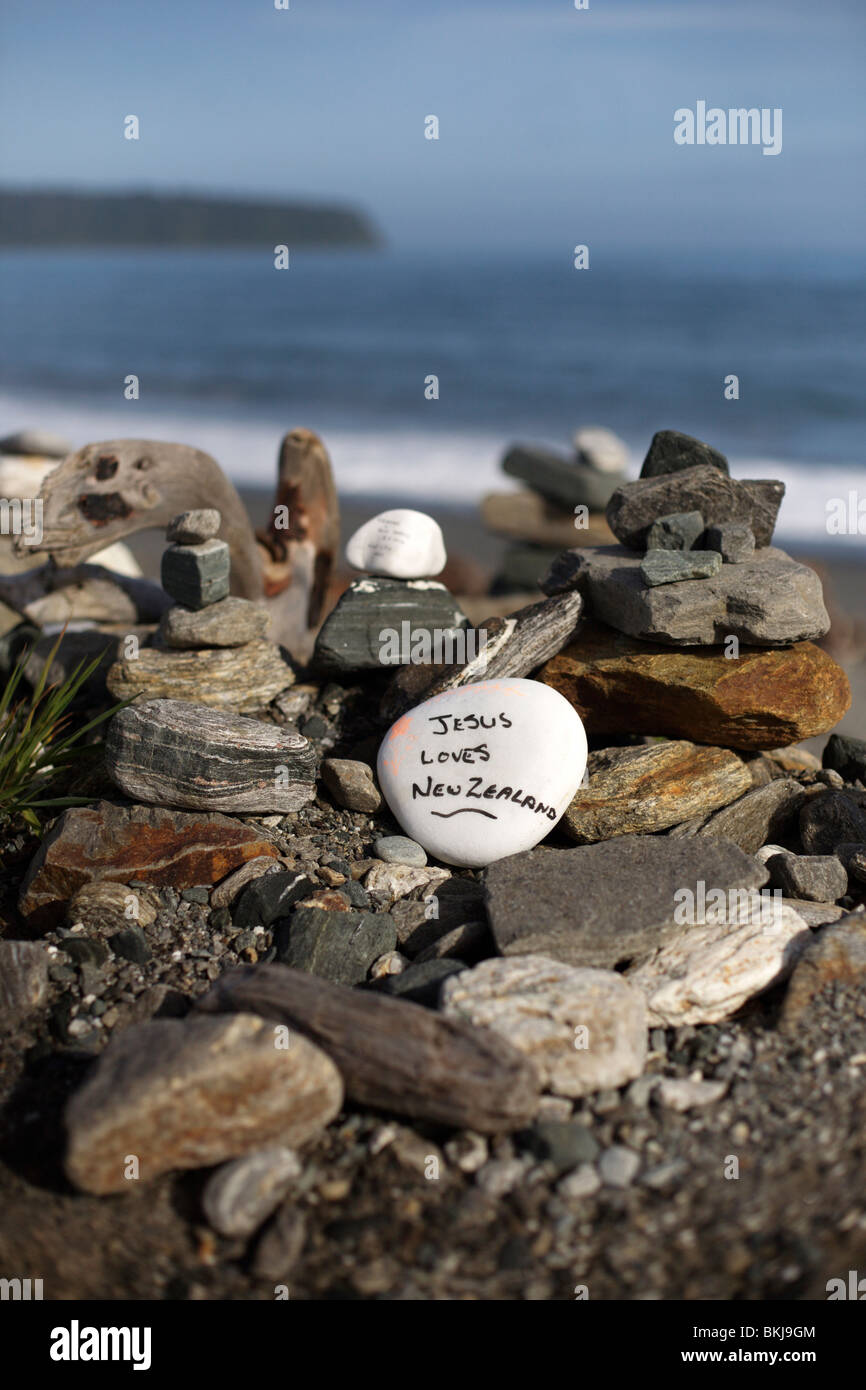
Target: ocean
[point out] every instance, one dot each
(230, 352)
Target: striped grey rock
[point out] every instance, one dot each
(760, 815)
(351, 638)
(229, 623)
(769, 601)
(23, 981)
(671, 566)
(195, 527)
(270, 897)
(635, 506)
(232, 678)
(568, 481)
(625, 905)
(583, 1030)
(670, 452)
(239, 1197)
(171, 753)
(679, 531)
(188, 1093)
(818, 877)
(104, 906)
(734, 540)
(196, 575)
(511, 648)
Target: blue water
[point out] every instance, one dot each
(230, 352)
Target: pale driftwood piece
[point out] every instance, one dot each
(90, 588)
(169, 753)
(391, 1054)
(515, 646)
(233, 678)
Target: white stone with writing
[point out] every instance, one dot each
(400, 544)
(485, 771)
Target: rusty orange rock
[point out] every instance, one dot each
(760, 699)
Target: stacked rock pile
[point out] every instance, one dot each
(210, 648)
(392, 616)
(562, 502)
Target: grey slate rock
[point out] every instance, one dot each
(607, 903)
(23, 981)
(399, 849)
(559, 478)
(672, 566)
(818, 877)
(420, 983)
(679, 531)
(762, 815)
(635, 506)
(270, 897)
(734, 540)
(194, 527)
(830, 820)
(229, 623)
(351, 638)
(769, 601)
(847, 756)
(670, 452)
(337, 946)
(196, 575)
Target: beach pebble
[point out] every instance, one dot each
(241, 1195)
(601, 449)
(583, 1182)
(681, 1093)
(679, 531)
(618, 1166)
(192, 528)
(399, 544)
(351, 784)
(734, 540)
(584, 1030)
(397, 849)
(483, 771)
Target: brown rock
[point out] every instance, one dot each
(635, 791)
(762, 699)
(236, 678)
(119, 843)
(188, 1093)
(837, 955)
(527, 516)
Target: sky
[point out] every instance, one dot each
(555, 124)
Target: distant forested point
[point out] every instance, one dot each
(153, 219)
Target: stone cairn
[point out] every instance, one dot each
(185, 742)
(561, 503)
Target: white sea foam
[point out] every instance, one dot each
(452, 468)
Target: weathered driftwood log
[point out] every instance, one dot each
(391, 1054)
(514, 647)
(169, 753)
(52, 593)
(234, 678)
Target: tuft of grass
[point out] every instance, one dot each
(39, 744)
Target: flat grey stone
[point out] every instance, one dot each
(228, 623)
(196, 575)
(605, 904)
(734, 540)
(399, 849)
(760, 815)
(565, 480)
(356, 634)
(338, 946)
(679, 531)
(194, 527)
(818, 877)
(618, 1166)
(672, 566)
(635, 506)
(769, 601)
(670, 452)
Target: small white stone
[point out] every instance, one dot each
(388, 882)
(581, 1182)
(682, 1093)
(400, 544)
(601, 449)
(392, 963)
(707, 972)
(484, 771)
(584, 1030)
